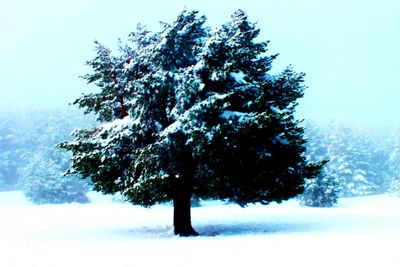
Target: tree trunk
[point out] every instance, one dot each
(182, 218)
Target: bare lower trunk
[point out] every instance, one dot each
(182, 217)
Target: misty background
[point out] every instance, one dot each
(348, 49)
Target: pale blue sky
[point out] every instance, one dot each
(349, 49)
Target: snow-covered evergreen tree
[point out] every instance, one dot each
(41, 175)
(188, 111)
(322, 191)
(2, 182)
(351, 159)
(10, 149)
(24, 133)
(317, 141)
(393, 148)
(43, 181)
(357, 163)
(373, 159)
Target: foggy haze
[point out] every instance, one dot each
(348, 49)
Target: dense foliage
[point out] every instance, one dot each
(191, 111)
(320, 192)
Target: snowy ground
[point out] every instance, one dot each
(358, 232)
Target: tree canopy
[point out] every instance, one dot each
(193, 111)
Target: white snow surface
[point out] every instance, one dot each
(229, 114)
(239, 77)
(362, 231)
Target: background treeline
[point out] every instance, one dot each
(361, 162)
(30, 160)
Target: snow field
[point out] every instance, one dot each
(358, 232)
